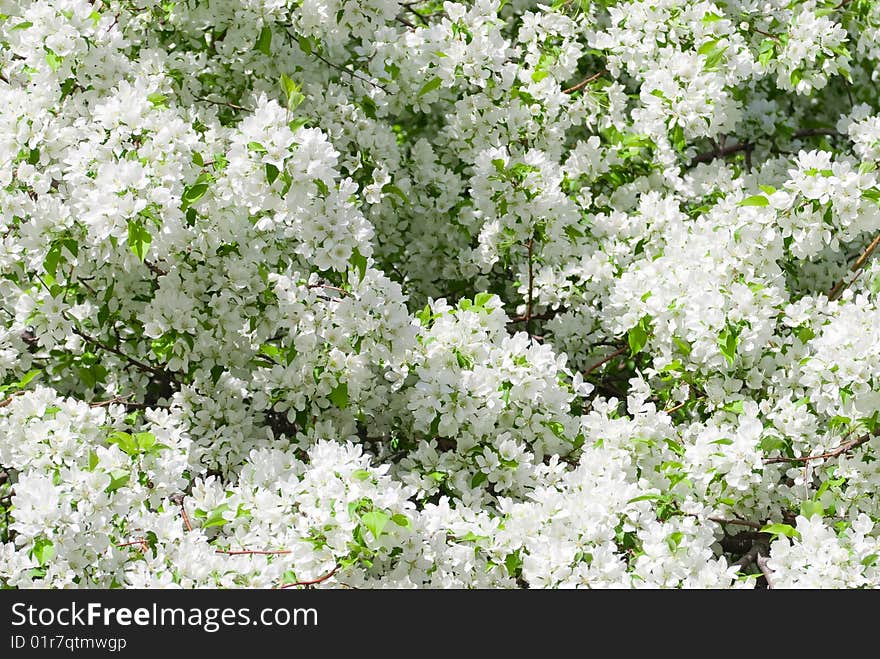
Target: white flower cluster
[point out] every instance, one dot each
(348, 293)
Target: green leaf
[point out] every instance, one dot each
(271, 173)
(539, 74)
(53, 60)
(707, 47)
(339, 395)
(43, 551)
(193, 193)
(375, 521)
(646, 497)
(401, 520)
(728, 340)
(464, 361)
(118, 478)
(430, 86)
(125, 441)
(393, 189)
(163, 346)
(756, 200)
(360, 474)
(766, 51)
(674, 540)
(159, 100)
(513, 563)
(735, 407)
(264, 41)
(360, 263)
(216, 517)
(27, 377)
(781, 529)
(678, 139)
(481, 299)
(139, 239)
(297, 123)
(638, 335)
(479, 478)
(682, 345)
(292, 93)
(714, 58)
(810, 508)
(53, 256)
(145, 441)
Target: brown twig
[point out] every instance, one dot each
(814, 132)
(535, 316)
(116, 351)
(6, 401)
(840, 450)
(856, 268)
(583, 83)
(227, 104)
(141, 542)
(722, 152)
(767, 34)
(311, 582)
(409, 7)
(739, 522)
(252, 552)
(155, 269)
(749, 557)
(528, 318)
(614, 354)
(353, 74)
(122, 400)
(178, 499)
(341, 291)
(761, 561)
(675, 408)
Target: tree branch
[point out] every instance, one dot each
(722, 152)
(740, 522)
(842, 285)
(252, 552)
(227, 104)
(749, 557)
(528, 318)
(761, 560)
(165, 375)
(583, 83)
(155, 269)
(840, 450)
(312, 582)
(342, 69)
(614, 354)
